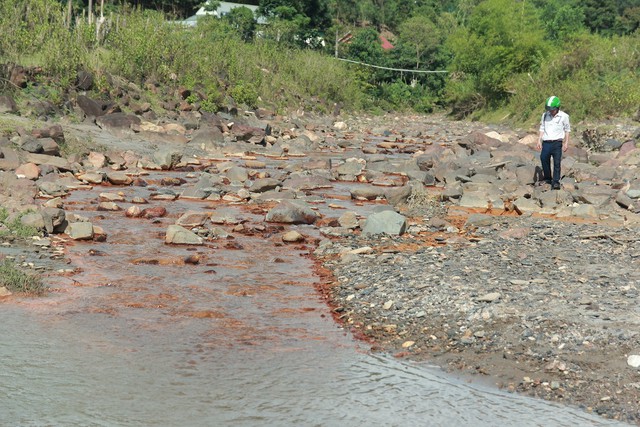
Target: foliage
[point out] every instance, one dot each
(15, 226)
(595, 77)
(561, 18)
(501, 54)
(315, 11)
(245, 93)
(502, 39)
(16, 280)
(241, 19)
(421, 33)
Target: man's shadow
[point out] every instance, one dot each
(538, 175)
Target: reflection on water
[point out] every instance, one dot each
(239, 339)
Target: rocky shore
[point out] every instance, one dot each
(444, 247)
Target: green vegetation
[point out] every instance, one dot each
(16, 280)
(503, 57)
(14, 226)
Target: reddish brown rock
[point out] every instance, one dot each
(29, 171)
(154, 212)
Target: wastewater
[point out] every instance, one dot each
(136, 332)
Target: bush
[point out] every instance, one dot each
(16, 280)
(15, 227)
(594, 77)
(245, 93)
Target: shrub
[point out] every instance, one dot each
(245, 93)
(16, 280)
(594, 77)
(16, 227)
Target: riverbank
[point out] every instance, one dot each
(532, 305)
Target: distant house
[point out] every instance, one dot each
(222, 10)
(384, 43)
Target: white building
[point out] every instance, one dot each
(222, 10)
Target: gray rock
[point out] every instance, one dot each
(292, 213)
(53, 218)
(178, 235)
(80, 230)
(167, 157)
(264, 184)
(387, 222)
(192, 219)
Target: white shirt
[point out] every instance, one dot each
(554, 128)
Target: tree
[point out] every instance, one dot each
(502, 39)
(316, 10)
(243, 21)
(600, 15)
(211, 5)
(561, 18)
(420, 32)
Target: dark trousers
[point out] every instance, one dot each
(551, 149)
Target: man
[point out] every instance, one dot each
(553, 140)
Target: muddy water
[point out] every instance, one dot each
(234, 335)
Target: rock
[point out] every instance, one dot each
(108, 206)
(192, 219)
(367, 193)
(97, 160)
(90, 107)
(292, 213)
(292, 237)
(80, 230)
(133, 212)
(119, 178)
(167, 157)
(154, 212)
(111, 197)
(633, 360)
(349, 219)
(490, 297)
(118, 123)
(33, 220)
(28, 171)
(264, 184)
(387, 222)
(92, 177)
(178, 235)
(44, 159)
(8, 159)
(54, 219)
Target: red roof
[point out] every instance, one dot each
(386, 45)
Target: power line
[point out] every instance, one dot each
(392, 69)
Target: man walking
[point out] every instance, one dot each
(553, 140)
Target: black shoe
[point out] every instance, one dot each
(555, 186)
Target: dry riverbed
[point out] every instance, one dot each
(534, 305)
(537, 297)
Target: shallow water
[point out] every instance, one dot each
(241, 338)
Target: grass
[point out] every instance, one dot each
(15, 227)
(16, 280)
